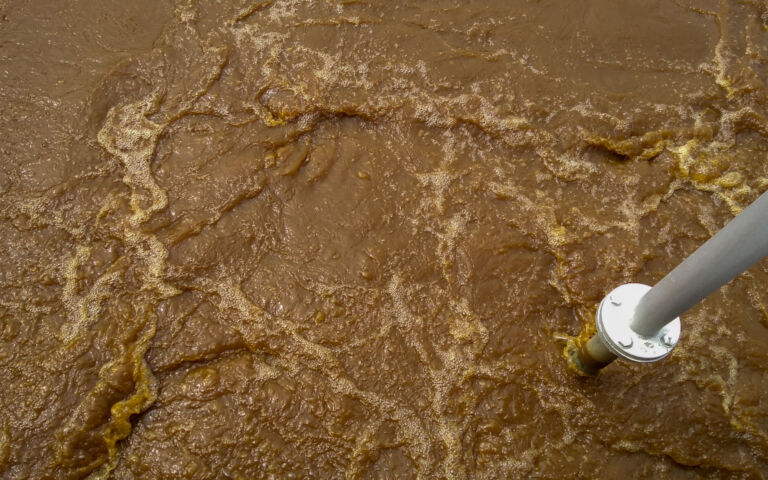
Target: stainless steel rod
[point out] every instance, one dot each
(740, 244)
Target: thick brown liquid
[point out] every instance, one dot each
(352, 240)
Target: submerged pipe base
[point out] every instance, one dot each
(592, 356)
(615, 338)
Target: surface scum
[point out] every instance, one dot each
(352, 239)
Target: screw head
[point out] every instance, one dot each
(625, 342)
(614, 299)
(668, 340)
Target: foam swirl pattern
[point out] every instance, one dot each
(292, 239)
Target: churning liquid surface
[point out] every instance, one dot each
(352, 239)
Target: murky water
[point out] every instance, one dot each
(352, 239)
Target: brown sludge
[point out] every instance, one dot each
(353, 240)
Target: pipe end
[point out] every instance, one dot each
(614, 320)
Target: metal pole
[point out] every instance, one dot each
(740, 244)
(642, 324)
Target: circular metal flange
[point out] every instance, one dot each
(614, 317)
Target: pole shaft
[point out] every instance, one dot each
(740, 244)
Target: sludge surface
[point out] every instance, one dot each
(351, 240)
